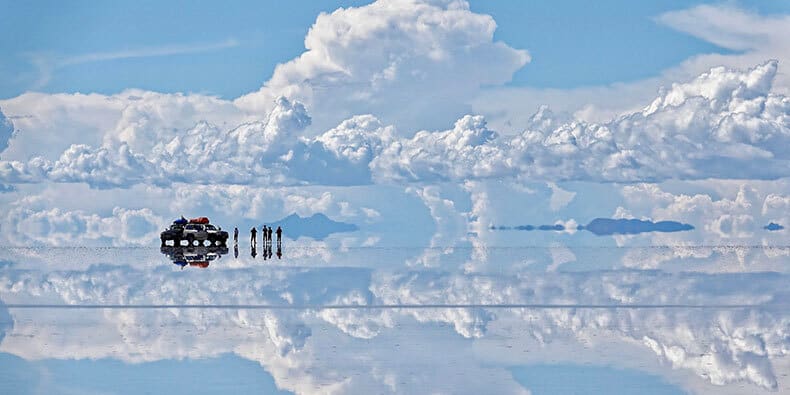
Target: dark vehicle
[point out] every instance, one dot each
(194, 233)
(173, 233)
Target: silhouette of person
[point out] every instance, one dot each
(269, 235)
(265, 254)
(253, 252)
(270, 249)
(236, 251)
(253, 236)
(235, 235)
(263, 235)
(279, 236)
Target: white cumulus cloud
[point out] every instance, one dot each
(404, 60)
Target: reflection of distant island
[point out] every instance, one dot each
(197, 256)
(317, 227)
(773, 227)
(611, 226)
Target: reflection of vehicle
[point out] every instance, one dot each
(195, 230)
(198, 256)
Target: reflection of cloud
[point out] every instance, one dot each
(744, 343)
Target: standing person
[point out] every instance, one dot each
(253, 236)
(236, 235)
(279, 236)
(263, 235)
(269, 235)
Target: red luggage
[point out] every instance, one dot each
(199, 220)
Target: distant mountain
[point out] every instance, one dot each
(773, 227)
(610, 226)
(317, 227)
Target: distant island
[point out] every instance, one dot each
(317, 227)
(773, 227)
(610, 226)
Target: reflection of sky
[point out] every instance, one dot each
(576, 379)
(696, 330)
(450, 226)
(711, 315)
(226, 374)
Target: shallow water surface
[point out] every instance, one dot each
(544, 320)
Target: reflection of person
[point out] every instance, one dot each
(235, 235)
(253, 236)
(279, 235)
(253, 252)
(236, 251)
(279, 251)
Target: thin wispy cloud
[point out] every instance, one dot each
(147, 52)
(47, 64)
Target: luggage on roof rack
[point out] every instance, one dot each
(199, 220)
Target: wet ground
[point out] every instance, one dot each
(541, 320)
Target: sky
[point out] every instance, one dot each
(455, 111)
(440, 129)
(229, 49)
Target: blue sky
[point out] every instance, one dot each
(385, 103)
(231, 49)
(424, 123)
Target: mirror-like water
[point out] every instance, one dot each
(404, 320)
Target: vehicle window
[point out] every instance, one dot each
(193, 227)
(210, 227)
